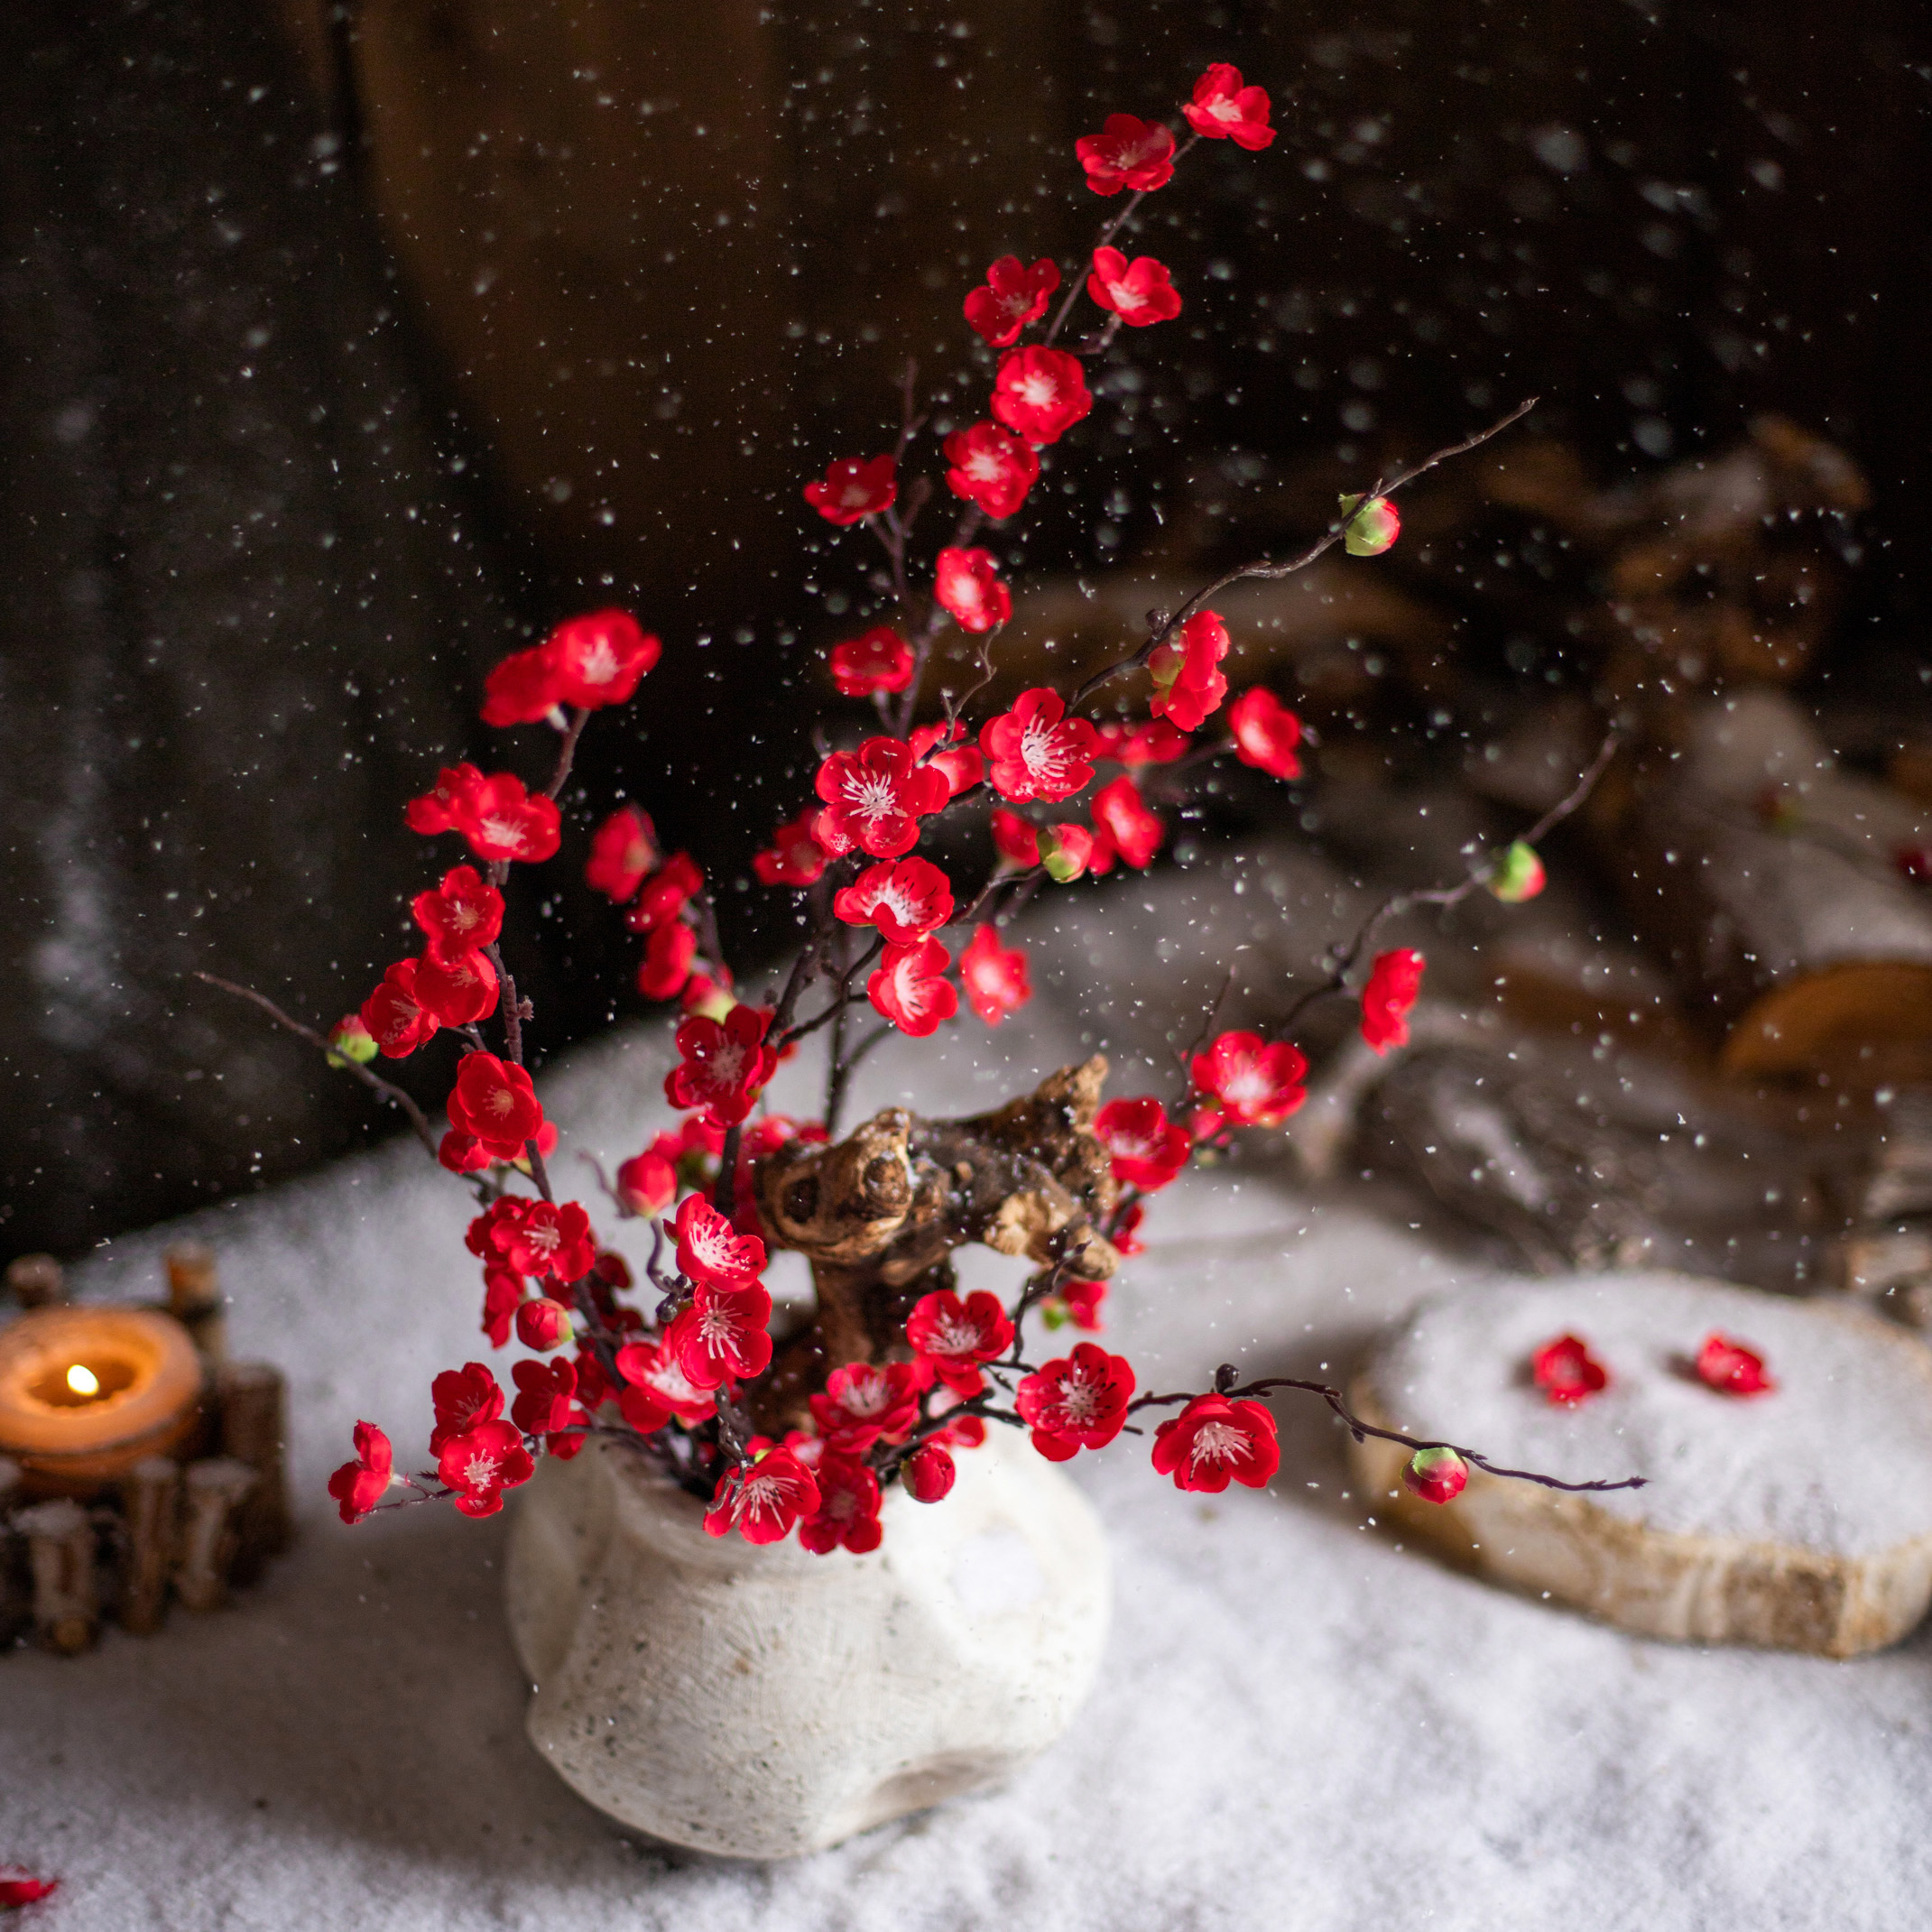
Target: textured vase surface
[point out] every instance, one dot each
(762, 1702)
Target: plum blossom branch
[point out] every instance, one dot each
(1343, 962)
(376, 1085)
(1162, 623)
(1227, 1383)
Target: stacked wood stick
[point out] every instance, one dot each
(170, 1531)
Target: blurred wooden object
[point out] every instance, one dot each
(253, 1401)
(1714, 1550)
(633, 230)
(194, 1297)
(214, 1493)
(1717, 569)
(1767, 876)
(66, 1588)
(150, 1503)
(36, 1280)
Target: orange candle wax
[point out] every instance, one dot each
(85, 1393)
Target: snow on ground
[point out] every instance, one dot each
(1300, 1723)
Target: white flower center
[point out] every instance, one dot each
(866, 1396)
(1223, 108)
(719, 1326)
(1042, 752)
(763, 1495)
(502, 831)
(598, 664)
(1038, 390)
(479, 1472)
(671, 1381)
(1248, 1085)
(726, 1068)
(1080, 1401)
(871, 800)
(983, 466)
(955, 1335)
(1218, 1442)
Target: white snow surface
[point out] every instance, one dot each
(1300, 1723)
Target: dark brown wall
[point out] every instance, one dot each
(652, 266)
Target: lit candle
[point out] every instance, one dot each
(86, 1394)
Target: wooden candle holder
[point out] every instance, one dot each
(111, 1505)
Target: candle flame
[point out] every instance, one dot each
(83, 1381)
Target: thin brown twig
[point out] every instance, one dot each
(1342, 964)
(1107, 232)
(394, 1095)
(1162, 624)
(1226, 1385)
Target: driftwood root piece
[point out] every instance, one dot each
(1798, 1519)
(888, 1204)
(879, 1213)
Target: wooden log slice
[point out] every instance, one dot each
(1799, 1519)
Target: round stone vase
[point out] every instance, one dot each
(762, 1702)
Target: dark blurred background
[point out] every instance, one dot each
(343, 347)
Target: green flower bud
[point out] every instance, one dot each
(1519, 874)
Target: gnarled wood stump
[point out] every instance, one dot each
(879, 1215)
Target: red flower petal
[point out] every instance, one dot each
(1731, 1368)
(1266, 732)
(1035, 750)
(1140, 293)
(1077, 1402)
(1127, 153)
(909, 988)
(1567, 1372)
(1041, 393)
(968, 589)
(1011, 297)
(906, 899)
(1224, 110)
(1257, 1084)
(1214, 1441)
(1394, 983)
(990, 467)
(995, 977)
(855, 487)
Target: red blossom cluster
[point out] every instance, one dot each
(1068, 794)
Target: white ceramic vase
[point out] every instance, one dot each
(759, 1703)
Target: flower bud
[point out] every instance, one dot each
(928, 1473)
(461, 1154)
(1519, 874)
(543, 1324)
(647, 1183)
(1064, 851)
(706, 995)
(1372, 525)
(1164, 666)
(1436, 1475)
(351, 1041)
